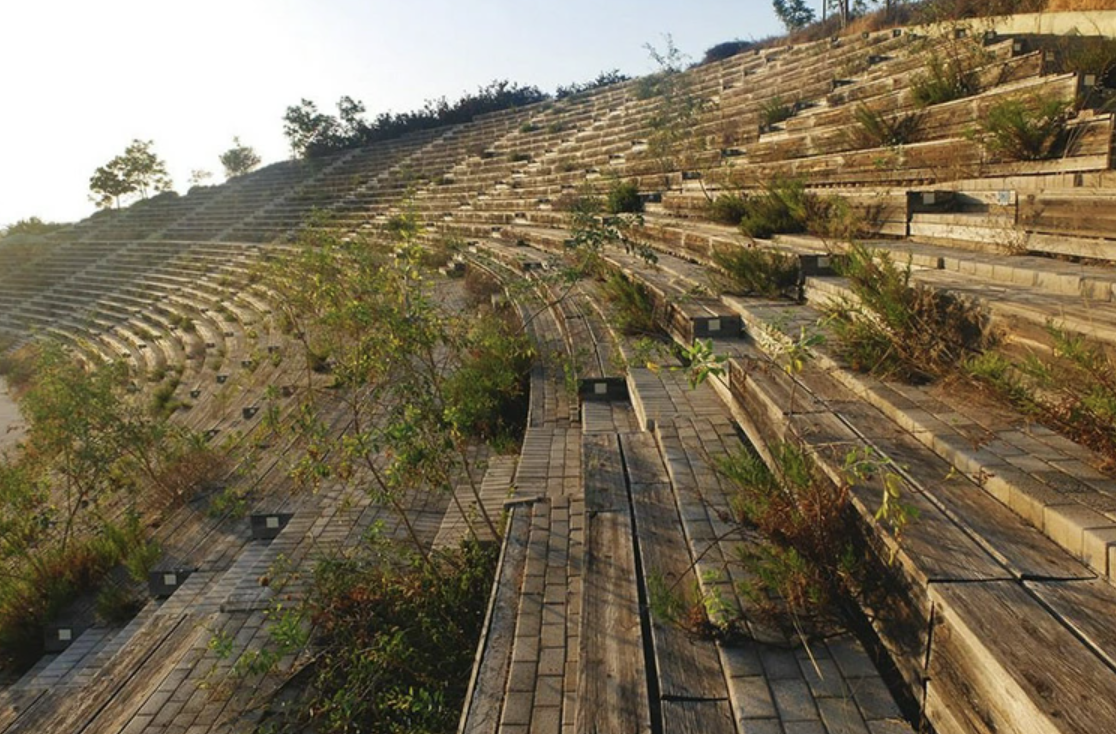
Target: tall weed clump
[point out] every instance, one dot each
(944, 80)
(752, 271)
(1025, 129)
(396, 642)
(1072, 390)
(810, 560)
(893, 329)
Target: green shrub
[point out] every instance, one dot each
(809, 558)
(781, 208)
(519, 157)
(753, 271)
(1025, 130)
(484, 394)
(728, 209)
(623, 197)
(528, 127)
(725, 50)
(1072, 390)
(943, 80)
(877, 130)
(116, 605)
(774, 111)
(1087, 55)
(634, 311)
(396, 642)
(890, 328)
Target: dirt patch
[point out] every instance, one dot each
(11, 422)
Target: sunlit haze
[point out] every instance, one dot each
(82, 79)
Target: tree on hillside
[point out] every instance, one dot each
(198, 177)
(311, 132)
(31, 226)
(239, 159)
(137, 170)
(795, 14)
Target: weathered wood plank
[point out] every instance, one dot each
(983, 676)
(58, 711)
(1086, 607)
(1002, 533)
(15, 703)
(642, 460)
(486, 699)
(687, 667)
(612, 684)
(603, 470)
(697, 717)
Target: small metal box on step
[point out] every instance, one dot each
(56, 638)
(267, 526)
(163, 583)
(603, 389)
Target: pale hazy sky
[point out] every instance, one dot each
(81, 78)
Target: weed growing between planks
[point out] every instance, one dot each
(893, 329)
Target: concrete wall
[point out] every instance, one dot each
(1087, 23)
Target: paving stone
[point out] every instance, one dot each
(793, 700)
(752, 698)
(552, 661)
(851, 657)
(824, 678)
(517, 708)
(841, 716)
(874, 699)
(1065, 524)
(780, 663)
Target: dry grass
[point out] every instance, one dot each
(1079, 5)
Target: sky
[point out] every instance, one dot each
(81, 79)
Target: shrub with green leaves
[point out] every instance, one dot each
(1072, 390)
(633, 308)
(488, 384)
(728, 209)
(875, 129)
(623, 198)
(1025, 129)
(782, 207)
(774, 111)
(809, 558)
(943, 80)
(891, 328)
(396, 639)
(753, 271)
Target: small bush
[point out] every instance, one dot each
(1088, 55)
(781, 208)
(18, 368)
(634, 311)
(623, 197)
(890, 328)
(725, 50)
(752, 271)
(774, 111)
(1025, 130)
(810, 558)
(728, 209)
(943, 80)
(396, 641)
(117, 605)
(877, 130)
(519, 157)
(1073, 390)
(528, 127)
(480, 286)
(483, 394)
